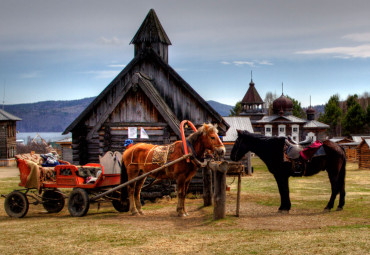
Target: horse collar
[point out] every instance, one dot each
(190, 145)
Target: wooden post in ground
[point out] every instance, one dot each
(207, 186)
(219, 195)
(238, 195)
(249, 162)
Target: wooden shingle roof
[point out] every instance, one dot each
(252, 96)
(151, 31)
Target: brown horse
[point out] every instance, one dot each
(142, 158)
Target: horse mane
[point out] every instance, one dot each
(269, 149)
(262, 138)
(206, 128)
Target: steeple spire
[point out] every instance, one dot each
(152, 35)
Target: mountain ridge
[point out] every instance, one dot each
(56, 116)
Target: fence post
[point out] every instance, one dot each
(207, 186)
(219, 195)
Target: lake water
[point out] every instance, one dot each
(47, 136)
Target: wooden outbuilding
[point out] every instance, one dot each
(65, 149)
(364, 154)
(148, 97)
(8, 126)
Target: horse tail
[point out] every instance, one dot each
(342, 171)
(124, 178)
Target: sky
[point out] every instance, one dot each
(72, 49)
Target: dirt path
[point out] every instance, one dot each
(6, 172)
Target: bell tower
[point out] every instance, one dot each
(151, 35)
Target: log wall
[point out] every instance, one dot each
(364, 156)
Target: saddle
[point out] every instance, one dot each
(301, 153)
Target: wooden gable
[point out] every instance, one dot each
(146, 93)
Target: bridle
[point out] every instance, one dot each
(239, 144)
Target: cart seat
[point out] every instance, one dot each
(111, 162)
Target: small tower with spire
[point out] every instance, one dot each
(310, 112)
(252, 103)
(151, 35)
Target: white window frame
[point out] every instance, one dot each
(280, 133)
(266, 132)
(311, 134)
(295, 134)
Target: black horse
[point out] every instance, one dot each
(271, 151)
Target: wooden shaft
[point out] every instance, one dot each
(140, 177)
(238, 195)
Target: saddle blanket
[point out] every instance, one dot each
(309, 152)
(161, 154)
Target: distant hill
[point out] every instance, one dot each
(222, 109)
(55, 116)
(47, 116)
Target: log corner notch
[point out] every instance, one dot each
(219, 196)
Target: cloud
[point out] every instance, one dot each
(30, 75)
(113, 41)
(265, 62)
(103, 74)
(361, 51)
(249, 63)
(359, 37)
(240, 63)
(117, 65)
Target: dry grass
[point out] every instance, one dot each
(258, 230)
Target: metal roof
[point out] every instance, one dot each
(240, 123)
(289, 118)
(367, 141)
(358, 138)
(315, 124)
(8, 116)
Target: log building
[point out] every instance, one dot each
(147, 94)
(8, 123)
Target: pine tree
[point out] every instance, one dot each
(355, 118)
(297, 108)
(235, 111)
(332, 115)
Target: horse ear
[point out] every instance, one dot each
(205, 128)
(239, 131)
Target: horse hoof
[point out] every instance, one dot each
(141, 212)
(326, 210)
(283, 211)
(134, 213)
(182, 215)
(339, 209)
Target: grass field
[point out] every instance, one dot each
(258, 230)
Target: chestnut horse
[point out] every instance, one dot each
(142, 158)
(270, 150)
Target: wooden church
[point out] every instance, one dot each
(148, 94)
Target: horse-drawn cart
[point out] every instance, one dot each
(86, 181)
(91, 184)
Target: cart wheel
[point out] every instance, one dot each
(53, 200)
(16, 204)
(121, 207)
(78, 203)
